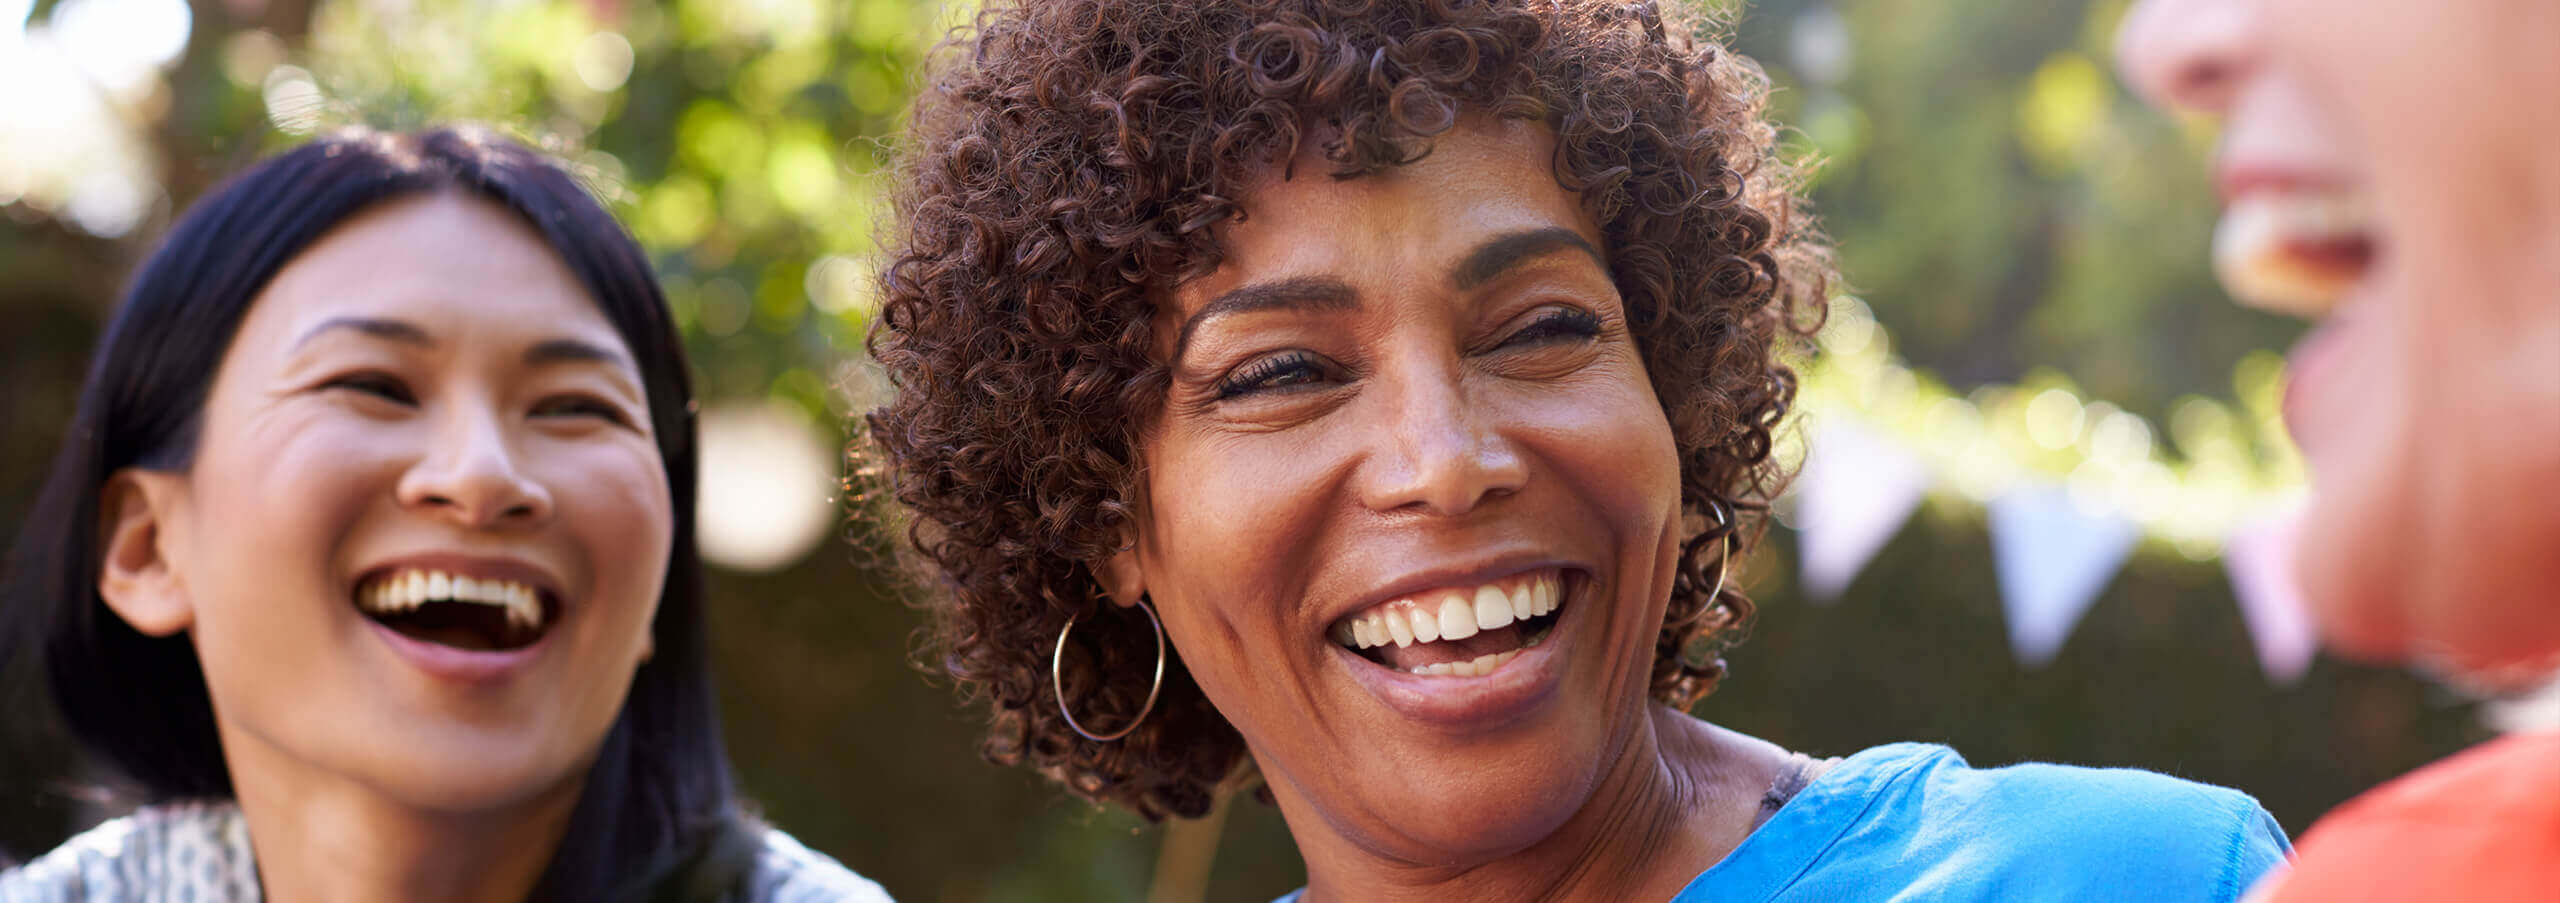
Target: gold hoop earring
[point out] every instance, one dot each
(1058, 655)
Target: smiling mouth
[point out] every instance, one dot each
(461, 612)
(1457, 631)
(2295, 250)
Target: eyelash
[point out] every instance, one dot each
(1562, 322)
(1265, 374)
(379, 385)
(389, 388)
(1273, 373)
(577, 405)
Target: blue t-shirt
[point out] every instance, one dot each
(1913, 822)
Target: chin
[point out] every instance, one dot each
(490, 780)
(2354, 576)
(1471, 826)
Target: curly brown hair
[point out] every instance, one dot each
(1068, 163)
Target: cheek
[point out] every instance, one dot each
(613, 499)
(273, 509)
(1607, 440)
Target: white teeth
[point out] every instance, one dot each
(524, 609)
(1476, 667)
(407, 589)
(2255, 248)
(1426, 626)
(1452, 614)
(1493, 608)
(1457, 618)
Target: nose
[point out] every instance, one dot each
(2191, 54)
(1438, 453)
(472, 478)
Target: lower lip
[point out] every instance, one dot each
(461, 665)
(1482, 701)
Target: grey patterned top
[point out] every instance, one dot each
(198, 852)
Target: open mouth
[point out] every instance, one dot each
(480, 615)
(2296, 250)
(1457, 631)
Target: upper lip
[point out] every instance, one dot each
(479, 567)
(1475, 573)
(2235, 179)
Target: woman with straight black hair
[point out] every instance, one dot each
(369, 555)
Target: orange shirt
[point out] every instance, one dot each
(2480, 826)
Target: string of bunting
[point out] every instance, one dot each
(2069, 488)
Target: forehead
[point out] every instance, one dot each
(1485, 178)
(448, 262)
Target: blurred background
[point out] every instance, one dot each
(2043, 474)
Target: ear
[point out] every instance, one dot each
(1123, 577)
(137, 574)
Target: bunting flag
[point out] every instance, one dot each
(2260, 559)
(2053, 558)
(1857, 489)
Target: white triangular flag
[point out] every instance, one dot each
(2053, 558)
(2260, 559)
(1856, 490)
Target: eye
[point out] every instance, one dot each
(1557, 323)
(374, 383)
(1272, 373)
(581, 406)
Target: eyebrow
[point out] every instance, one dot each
(393, 330)
(1490, 259)
(1498, 256)
(548, 351)
(1297, 292)
(555, 351)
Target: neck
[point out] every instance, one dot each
(1682, 795)
(329, 837)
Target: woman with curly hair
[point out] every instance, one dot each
(1416, 363)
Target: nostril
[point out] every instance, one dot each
(2203, 80)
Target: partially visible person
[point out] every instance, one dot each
(369, 556)
(1417, 363)
(2389, 169)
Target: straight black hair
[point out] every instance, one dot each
(658, 799)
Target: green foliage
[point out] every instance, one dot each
(2001, 200)
(743, 142)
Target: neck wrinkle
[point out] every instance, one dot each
(316, 837)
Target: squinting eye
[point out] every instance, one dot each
(1279, 371)
(380, 385)
(1559, 323)
(579, 406)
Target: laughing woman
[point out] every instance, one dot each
(1416, 363)
(370, 556)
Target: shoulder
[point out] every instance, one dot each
(2040, 831)
(198, 846)
(2483, 825)
(788, 872)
